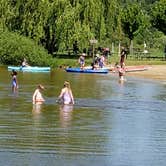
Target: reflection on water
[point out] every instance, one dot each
(37, 108)
(110, 123)
(66, 115)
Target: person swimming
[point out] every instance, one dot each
(66, 94)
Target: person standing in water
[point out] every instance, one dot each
(121, 71)
(14, 81)
(37, 95)
(66, 94)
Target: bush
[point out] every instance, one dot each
(14, 48)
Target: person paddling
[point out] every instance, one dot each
(121, 71)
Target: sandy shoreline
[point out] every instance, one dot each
(156, 72)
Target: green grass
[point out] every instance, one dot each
(145, 62)
(112, 60)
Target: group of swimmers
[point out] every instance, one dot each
(65, 97)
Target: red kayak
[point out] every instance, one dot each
(132, 68)
(136, 68)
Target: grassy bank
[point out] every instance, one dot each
(111, 60)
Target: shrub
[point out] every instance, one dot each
(14, 48)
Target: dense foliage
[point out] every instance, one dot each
(14, 48)
(57, 24)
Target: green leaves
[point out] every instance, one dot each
(159, 15)
(134, 20)
(56, 24)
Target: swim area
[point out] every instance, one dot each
(111, 123)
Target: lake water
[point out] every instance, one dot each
(110, 124)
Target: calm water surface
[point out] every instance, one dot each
(111, 124)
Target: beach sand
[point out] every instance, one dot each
(156, 72)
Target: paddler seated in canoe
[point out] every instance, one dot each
(37, 95)
(24, 63)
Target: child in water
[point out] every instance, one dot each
(66, 94)
(14, 81)
(37, 95)
(121, 71)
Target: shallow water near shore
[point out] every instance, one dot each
(111, 123)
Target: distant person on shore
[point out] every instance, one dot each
(123, 55)
(24, 63)
(66, 95)
(81, 60)
(14, 81)
(37, 95)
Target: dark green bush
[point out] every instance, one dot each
(14, 48)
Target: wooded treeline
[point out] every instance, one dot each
(57, 24)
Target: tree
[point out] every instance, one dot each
(6, 13)
(56, 24)
(158, 11)
(134, 20)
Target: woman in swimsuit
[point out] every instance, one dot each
(14, 81)
(66, 94)
(37, 95)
